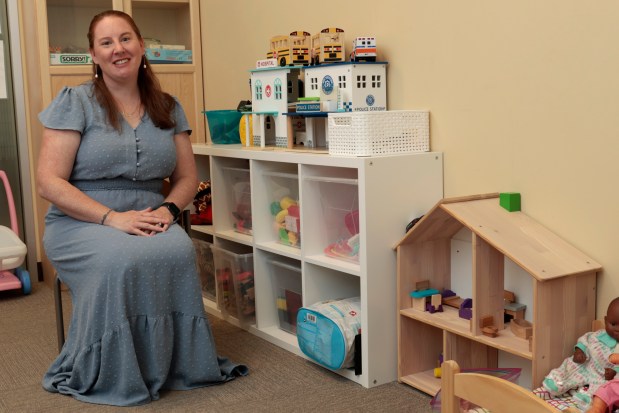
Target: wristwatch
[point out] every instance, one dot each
(174, 210)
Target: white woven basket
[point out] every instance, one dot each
(379, 133)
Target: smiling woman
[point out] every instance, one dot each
(138, 324)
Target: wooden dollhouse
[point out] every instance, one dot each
(563, 281)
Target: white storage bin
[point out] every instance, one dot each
(379, 133)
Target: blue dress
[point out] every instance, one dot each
(138, 323)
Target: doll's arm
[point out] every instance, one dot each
(579, 355)
(610, 373)
(597, 406)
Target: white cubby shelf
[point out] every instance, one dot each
(373, 197)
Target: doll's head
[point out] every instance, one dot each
(611, 320)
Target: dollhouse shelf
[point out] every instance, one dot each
(563, 282)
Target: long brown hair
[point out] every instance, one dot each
(157, 103)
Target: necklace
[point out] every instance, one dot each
(135, 112)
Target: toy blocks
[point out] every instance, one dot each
(510, 201)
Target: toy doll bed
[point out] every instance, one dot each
(491, 393)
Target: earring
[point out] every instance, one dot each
(96, 72)
(144, 61)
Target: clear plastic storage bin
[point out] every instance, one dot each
(239, 198)
(283, 196)
(289, 299)
(234, 271)
(340, 204)
(206, 268)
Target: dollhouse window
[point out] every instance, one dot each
(314, 83)
(258, 90)
(361, 82)
(278, 89)
(341, 82)
(289, 87)
(375, 81)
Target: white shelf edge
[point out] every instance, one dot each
(334, 264)
(280, 249)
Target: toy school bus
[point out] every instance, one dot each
(328, 46)
(363, 49)
(290, 50)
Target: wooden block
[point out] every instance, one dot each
(422, 285)
(515, 310)
(486, 321)
(419, 304)
(521, 328)
(510, 201)
(490, 331)
(509, 296)
(454, 301)
(424, 293)
(436, 300)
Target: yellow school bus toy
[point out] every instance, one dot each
(291, 50)
(328, 46)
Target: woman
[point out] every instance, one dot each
(138, 321)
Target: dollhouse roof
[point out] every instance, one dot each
(517, 236)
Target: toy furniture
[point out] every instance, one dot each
(489, 392)
(498, 395)
(563, 280)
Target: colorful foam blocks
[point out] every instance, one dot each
(510, 201)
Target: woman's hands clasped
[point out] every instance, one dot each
(147, 222)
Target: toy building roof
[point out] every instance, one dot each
(517, 236)
(342, 64)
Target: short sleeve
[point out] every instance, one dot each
(65, 112)
(182, 125)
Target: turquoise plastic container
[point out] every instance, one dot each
(224, 125)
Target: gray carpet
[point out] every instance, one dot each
(278, 381)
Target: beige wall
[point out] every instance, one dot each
(523, 95)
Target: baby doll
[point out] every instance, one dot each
(590, 362)
(607, 395)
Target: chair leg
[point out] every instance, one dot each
(185, 220)
(59, 315)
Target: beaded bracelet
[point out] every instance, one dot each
(104, 217)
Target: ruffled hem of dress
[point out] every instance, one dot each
(131, 363)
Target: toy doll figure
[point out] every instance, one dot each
(607, 396)
(590, 362)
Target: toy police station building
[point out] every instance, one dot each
(271, 91)
(347, 86)
(361, 86)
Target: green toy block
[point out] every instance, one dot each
(510, 201)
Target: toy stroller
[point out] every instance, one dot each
(12, 249)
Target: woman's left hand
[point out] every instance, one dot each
(163, 219)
